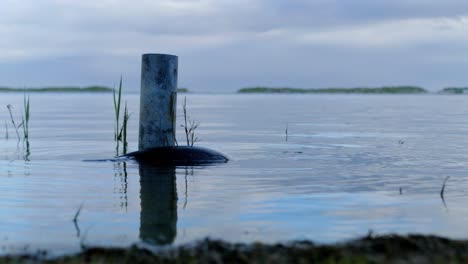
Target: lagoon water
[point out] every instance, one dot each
(349, 164)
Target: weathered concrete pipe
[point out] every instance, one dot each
(158, 101)
(157, 131)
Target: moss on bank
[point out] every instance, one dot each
(360, 90)
(381, 249)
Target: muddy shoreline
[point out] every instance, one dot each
(369, 249)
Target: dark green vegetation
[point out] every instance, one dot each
(454, 90)
(380, 249)
(183, 90)
(74, 89)
(360, 90)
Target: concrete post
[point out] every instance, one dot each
(158, 101)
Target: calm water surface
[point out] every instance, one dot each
(337, 175)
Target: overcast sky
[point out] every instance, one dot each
(224, 45)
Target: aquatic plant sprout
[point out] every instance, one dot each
(24, 123)
(117, 109)
(126, 117)
(26, 117)
(189, 126)
(120, 133)
(26, 126)
(13, 120)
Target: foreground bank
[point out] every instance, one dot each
(379, 249)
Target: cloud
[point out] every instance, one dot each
(242, 42)
(392, 33)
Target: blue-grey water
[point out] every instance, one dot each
(349, 164)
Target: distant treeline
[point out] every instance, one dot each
(73, 89)
(259, 89)
(183, 90)
(367, 90)
(58, 89)
(454, 90)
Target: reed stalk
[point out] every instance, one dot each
(126, 117)
(185, 126)
(26, 117)
(442, 190)
(120, 132)
(13, 121)
(117, 96)
(77, 213)
(117, 100)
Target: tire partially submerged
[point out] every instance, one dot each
(178, 156)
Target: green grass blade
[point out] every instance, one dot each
(26, 116)
(117, 101)
(124, 129)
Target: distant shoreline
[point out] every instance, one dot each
(357, 90)
(257, 90)
(454, 90)
(68, 89)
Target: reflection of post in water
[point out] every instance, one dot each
(158, 194)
